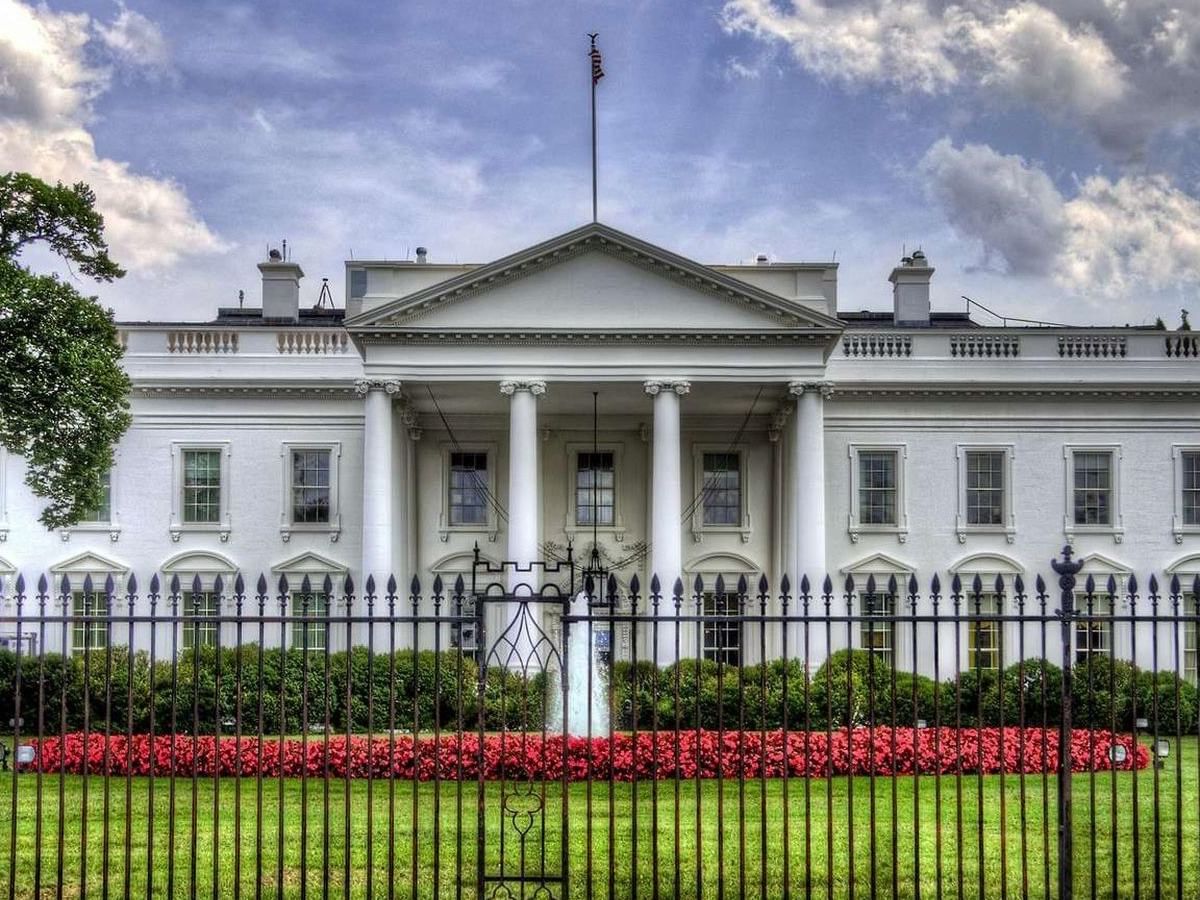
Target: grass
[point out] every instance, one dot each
(175, 855)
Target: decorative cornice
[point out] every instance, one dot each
(244, 390)
(562, 338)
(797, 388)
(678, 385)
(364, 386)
(535, 386)
(1149, 392)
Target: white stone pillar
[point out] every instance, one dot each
(524, 531)
(666, 529)
(806, 452)
(379, 485)
(524, 525)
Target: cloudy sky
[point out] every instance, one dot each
(1043, 154)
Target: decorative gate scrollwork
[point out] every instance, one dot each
(521, 849)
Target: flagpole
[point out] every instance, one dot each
(592, 56)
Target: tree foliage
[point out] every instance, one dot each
(63, 394)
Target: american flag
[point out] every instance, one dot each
(597, 71)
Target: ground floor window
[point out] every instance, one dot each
(310, 625)
(1191, 641)
(879, 637)
(722, 640)
(90, 635)
(1093, 636)
(198, 629)
(983, 636)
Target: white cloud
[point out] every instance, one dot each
(47, 87)
(487, 75)
(134, 40)
(1108, 240)
(1122, 71)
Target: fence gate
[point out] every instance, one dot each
(521, 832)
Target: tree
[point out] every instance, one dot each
(63, 394)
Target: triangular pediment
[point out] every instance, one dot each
(594, 278)
(309, 563)
(878, 564)
(89, 563)
(1100, 565)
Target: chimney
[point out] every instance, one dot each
(422, 256)
(910, 290)
(280, 288)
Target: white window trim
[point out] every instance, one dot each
(113, 526)
(570, 526)
(178, 526)
(699, 529)
(492, 526)
(1009, 526)
(1070, 528)
(3, 495)
(1178, 528)
(856, 527)
(287, 527)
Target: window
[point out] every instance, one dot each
(468, 488)
(722, 640)
(1093, 487)
(595, 489)
(91, 635)
(722, 491)
(201, 486)
(200, 633)
(1190, 486)
(305, 608)
(877, 487)
(1191, 641)
(879, 637)
(985, 487)
(311, 487)
(102, 514)
(1093, 635)
(983, 637)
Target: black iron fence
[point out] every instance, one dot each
(547, 732)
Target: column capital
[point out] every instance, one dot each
(796, 388)
(363, 386)
(535, 386)
(678, 385)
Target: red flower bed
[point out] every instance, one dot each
(661, 755)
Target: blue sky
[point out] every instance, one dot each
(1043, 154)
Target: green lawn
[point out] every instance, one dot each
(309, 858)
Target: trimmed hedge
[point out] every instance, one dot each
(848, 689)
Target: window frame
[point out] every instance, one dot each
(991, 603)
(571, 526)
(1179, 527)
(287, 525)
(1189, 656)
(490, 527)
(86, 628)
(742, 527)
(298, 624)
(1107, 628)
(188, 627)
(867, 629)
(856, 526)
(1115, 527)
(222, 526)
(1008, 523)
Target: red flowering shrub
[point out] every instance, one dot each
(662, 755)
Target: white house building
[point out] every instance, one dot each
(746, 426)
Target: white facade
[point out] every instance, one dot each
(500, 362)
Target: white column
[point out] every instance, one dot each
(524, 532)
(378, 482)
(806, 457)
(666, 529)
